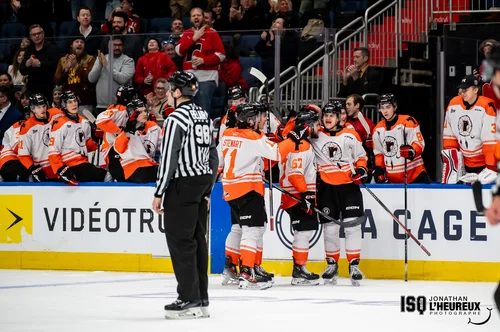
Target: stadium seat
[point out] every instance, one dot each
(187, 23)
(3, 68)
(247, 63)
(227, 38)
(12, 33)
(250, 41)
(144, 25)
(160, 25)
(66, 28)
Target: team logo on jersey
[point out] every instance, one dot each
(391, 146)
(285, 232)
(464, 125)
(333, 151)
(149, 146)
(80, 137)
(46, 137)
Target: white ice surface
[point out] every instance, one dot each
(101, 301)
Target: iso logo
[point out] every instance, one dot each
(285, 231)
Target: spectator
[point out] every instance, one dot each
(246, 17)
(77, 5)
(111, 6)
(8, 113)
(177, 28)
(25, 42)
(484, 53)
(23, 99)
(40, 62)
(306, 5)
(133, 21)
(132, 43)
(208, 18)
(168, 46)
(123, 71)
(360, 78)
(72, 74)
(56, 97)
(157, 101)
(203, 52)
(152, 66)
(230, 71)
(289, 48)
(221, 22)
(180, 8)
(37, 12)
(89, 31)
(14, 72)
(6, 80)
(283, 9)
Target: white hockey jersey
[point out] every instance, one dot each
(9, 146)
(110, 121)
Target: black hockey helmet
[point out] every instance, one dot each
(306, 117)
(332, 107)
(261, 107)
(388, 98)
(246, 112)
(235, 92)
(134, 105)
(67, 95)
(308, 108)
(185, 81)
(37, 99)
(125, 94)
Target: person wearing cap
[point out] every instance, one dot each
(152, 66)
(470, 128)
(72, 73)
(133, 24)
(168, 46)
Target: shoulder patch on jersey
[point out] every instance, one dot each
(410, 118)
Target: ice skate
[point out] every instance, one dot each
(303, 277)
(230, 274)
(331, 272)
(183, 310)
(204, 308)
(355, 273)
(259, 270)
(250, 280)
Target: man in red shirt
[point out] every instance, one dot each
(203, 51)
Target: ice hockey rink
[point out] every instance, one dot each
(106, 301)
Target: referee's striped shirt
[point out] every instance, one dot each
(186, 147)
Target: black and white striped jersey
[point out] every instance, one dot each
(186, 145)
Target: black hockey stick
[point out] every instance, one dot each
(407, 231)
(356, 222)
(477, 191)
(406, 206)
(263, 79)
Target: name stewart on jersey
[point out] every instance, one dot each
(229, 143)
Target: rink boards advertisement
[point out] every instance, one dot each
(113, 228)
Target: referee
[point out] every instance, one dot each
(188, 167)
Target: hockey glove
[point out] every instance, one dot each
(67, 175)
(96, 133)
(38, 173)
(153, 118)
(407, 151)
(359, 176)
(298, 133)
(379, 175)
(308, 201)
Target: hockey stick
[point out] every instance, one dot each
(356, 222)
(477, 191)
(407, 231)
(406, 207)
(92, 120)
(263, 79)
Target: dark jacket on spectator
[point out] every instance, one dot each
(221, 22)
(289, 52)
(132, 46)
(12, 116)
(370, 82)
(37, 12)
(41, 79)
(92, 42)
(253, 19)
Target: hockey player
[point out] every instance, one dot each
(298, 169)
(469, 130)
(70, 143)
(11, 169)
(137, 145)
(110, 121)
(241, 150)
(34, 139)
(292, 116)
(342, 166)
(235, 97)
(395, 138)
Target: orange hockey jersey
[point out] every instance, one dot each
(34, 142)
(9, 146)
(240, 161)
(336, 154)
(297, 169)
(471, 130)
(138, 150)
(110, 121)
(386, 145)
(70, 142)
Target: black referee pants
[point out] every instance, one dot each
(186, 213)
